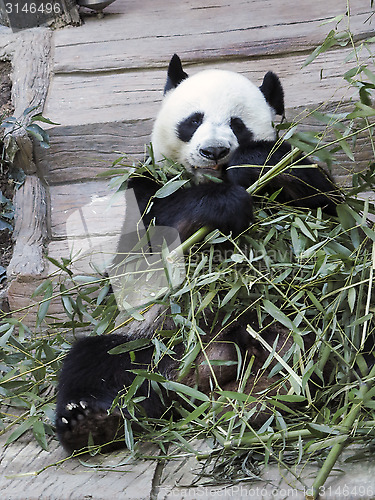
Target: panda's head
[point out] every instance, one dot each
(206, 117)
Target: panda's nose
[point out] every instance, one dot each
(214, 153)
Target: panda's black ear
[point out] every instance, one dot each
(273, 92)
(175, 74)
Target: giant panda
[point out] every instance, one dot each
(210, 123)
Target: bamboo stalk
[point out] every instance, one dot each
(337, 449)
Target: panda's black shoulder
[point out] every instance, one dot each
(144, 188)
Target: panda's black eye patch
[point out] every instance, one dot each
(187, 127)
(243, 134)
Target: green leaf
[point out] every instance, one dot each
(184, 389)
(156, 377)
(44, 306)
(218, 362)
(329, 41)
(238, 396)
(291, 398)
(131, 345)
(237, 257)
(232, 292)
(278, 315)
(344, 145)
(169, 188)
(102, 294)
(40, 434)
(194, 415)
(41, 289)
(5, 335)
(129, 438)
(67, 304)
(361, 111)
(304, 228)
(37, 132)
(309, 252)
(21, 429)
(321, 430)
(352, 296)
(207, 300)
(43, 119)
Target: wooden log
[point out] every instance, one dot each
(31, 71)
(30, 55)
(30, 81)
(30, 231)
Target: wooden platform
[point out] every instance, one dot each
(29, 473)
(102, 83)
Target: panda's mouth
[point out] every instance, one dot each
(206, 172)
(216, 167)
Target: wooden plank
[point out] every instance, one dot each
(139, 35)
(69, 478)
(90, 204)
(25, 307)
(81, 99)
(82, 152)
(185, 478)
(135, 95)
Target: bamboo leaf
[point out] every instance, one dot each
(184, 389)
(131, 345)
(278, 315)
(169, 188)
(40, 434)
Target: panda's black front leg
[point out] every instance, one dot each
(304, 186)
(226, 207)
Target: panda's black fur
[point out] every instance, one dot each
(91, 377)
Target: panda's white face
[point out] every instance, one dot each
(206, 117)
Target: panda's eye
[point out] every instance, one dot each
(188, 126)
(240, 130)
(237, 125)
(195, 119)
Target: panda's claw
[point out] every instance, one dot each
(82, 421)
(75, 412)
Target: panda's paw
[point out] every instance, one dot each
(81, 424)
(74, 412)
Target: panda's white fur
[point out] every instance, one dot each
(220, 96)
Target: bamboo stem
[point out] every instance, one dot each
(337, 449)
